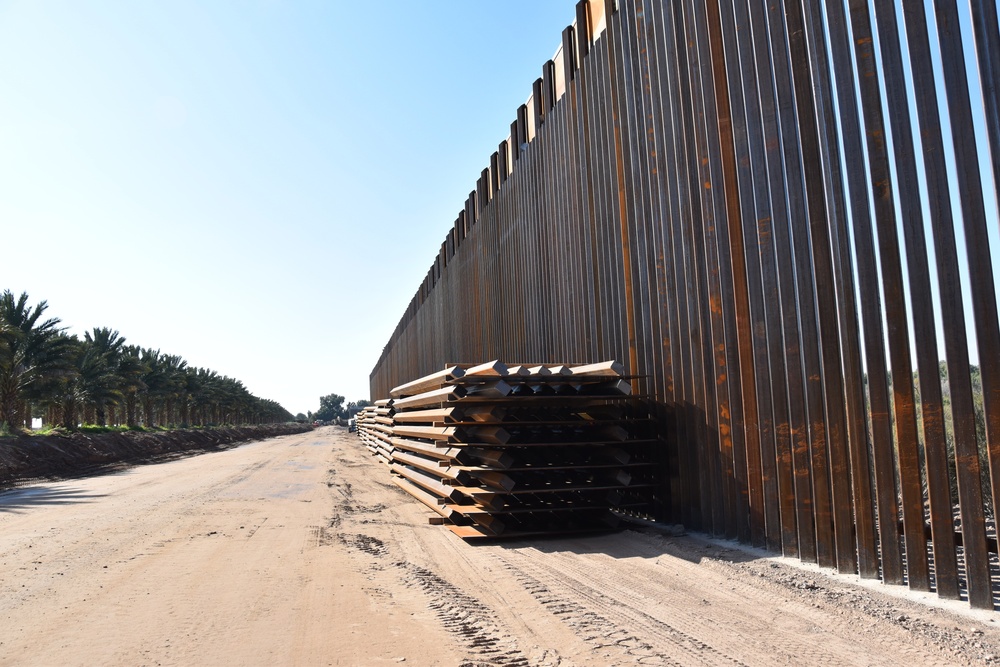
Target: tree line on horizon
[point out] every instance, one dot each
(102, 380)
(331, 408)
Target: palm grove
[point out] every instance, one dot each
(102, 380)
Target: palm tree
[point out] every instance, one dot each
(230, 395)
(203, 395)
(65, 391)
(31, 351)
(101, 383)
(191, 388)
(173, 386)
(130, 371)
(84, 387)
(153, 379)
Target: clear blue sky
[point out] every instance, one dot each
(255, 186)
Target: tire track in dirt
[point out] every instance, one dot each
(597, 621)
(672, 615)
(833, 634)
(720, 620)
(466, 617)
(461, 614)
(640, 598)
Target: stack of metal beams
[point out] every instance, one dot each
(508, 451)
(375, 429)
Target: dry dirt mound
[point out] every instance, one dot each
(32, 457)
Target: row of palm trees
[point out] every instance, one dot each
(101, 380)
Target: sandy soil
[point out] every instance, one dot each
(299, 551)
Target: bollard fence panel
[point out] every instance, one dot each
(779, 217)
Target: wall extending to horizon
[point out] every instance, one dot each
(706, 191)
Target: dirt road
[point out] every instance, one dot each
(299, 551)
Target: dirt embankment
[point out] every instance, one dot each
(30, 457)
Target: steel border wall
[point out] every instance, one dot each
(704, 191)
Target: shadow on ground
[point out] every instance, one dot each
(19, 500)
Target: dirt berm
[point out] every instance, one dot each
(31, 457)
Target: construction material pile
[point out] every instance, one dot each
(508, 451)
(374, 426)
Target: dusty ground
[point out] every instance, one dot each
(298, 550)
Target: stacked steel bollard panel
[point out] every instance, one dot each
(375, 429)
(506, 451)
